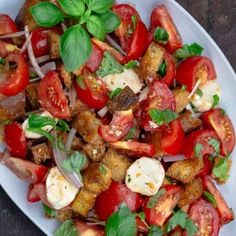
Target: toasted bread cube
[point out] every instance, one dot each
(54, 43)
(95, 151)
(181, 99)
(189, 122)
(40, 153)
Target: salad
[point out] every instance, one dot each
(116, 127)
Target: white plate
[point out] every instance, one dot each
(191, 31)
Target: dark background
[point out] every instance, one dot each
(218, 17)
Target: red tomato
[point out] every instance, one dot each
(206, 170)
(26, 170)
(15, 140)
(15, 80)
(162, 18)
(7, 25)
(84, 229)
(7, 48)
(140, 225)
(113, 197)
(134, 149)
(172, 140)
(40, 189)
(52, 97)
(120, 125)
(222, 125)
(163, 207)
(159, 97)
(92, 91)
(225, 213)
(205, 216)
(32, 195)
(95, 59)
(193, 69)
(200, 138)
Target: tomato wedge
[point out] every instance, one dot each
(205, 216)
(157, 212)
(7, 25)
(206, 170)
(134, 149)
(162, 18)
(15, 140)
(225, 213)
(116, 194)
(15, 80)
(120, 125)
(32, 195)
(222, 125)
(92, 91)
(26, 170)
(193, 69)
(198, 144)
(52, 97)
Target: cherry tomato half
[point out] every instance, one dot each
(15, 140)
(222, 125)
(206, 170)
(52, 97)
(193, 69)
(116, 194)
(7, 25)
(32, 195)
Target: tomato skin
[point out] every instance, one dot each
(225, 213)
(206, 170)
(120, 125)
(15, 140)
(163, 207)
(189, 71)
(18, 80)
(52, 97)
(173, 138)
(162, 18)
(95, 92)
(32, 195)
(7, 48)
(199, 137)
(7, 25)
(134, 149)
(223, 127)
(205, 216)
(113, 197)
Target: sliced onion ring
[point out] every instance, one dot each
(70, 139)
(13, 35)
(115, 45)
(174, 158)
(48, 67)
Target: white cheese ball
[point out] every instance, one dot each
(145, 176)
(60, 192)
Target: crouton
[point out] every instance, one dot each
(83, 202)
(189, 122)
(32, 97)
(192, 192)
(40, 153)
(117, 163)
(181, 99)
(54, 44)
(95, 151)
(63, 215)
(185, 171)
(64, 75)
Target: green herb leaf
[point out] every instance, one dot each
(121, 223)
(161, 35)
(215, 144)
(66, 229)
(80, 82)
(162, 69)
(49, 212)
(115, 92)
(95, 26)
(46, 14)
(198, 149)
(141, 215)
(99, 6)
(102, 169)
(191, 228)
(73, 7)
(75, 47)
(199, 92)
(39, 121)
(134, 22)
(109, 66)
(33, 75)
(131, 134)
(162, 117)
(2, 61)
(155, 231)
(221, 169)
(131, 64)
(188, 51)
(183, 88)
(223, 112)
(62, 125)
(111, 21)
(42, 132)
(210, 197)
(216, 100)
(153, 200)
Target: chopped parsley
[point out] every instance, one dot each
(162, 69)
(115, 92)
(188, 51)
(198, 149)
(102, 169)
(220, 170)
(210, 197)
(131, 134)
(131, 64)
(199, 92)
(183, 88)
(216, 100)
(161, 35)
(80, 82)
(162, 117)
(215, 144)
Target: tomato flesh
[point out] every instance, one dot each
(52, 97)
(15, 140)
(32, 195)
(116, 194)
(7, 25)
(85, 229)
(222, 125)
(206, 170)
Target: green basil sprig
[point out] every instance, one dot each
(66, 229)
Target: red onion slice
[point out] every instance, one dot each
(13, 35)
(72, 96)
(48, 67)
(174, 158)
(70, 139)
(103, 111)
(115, 45)
(25, 45)
(43, 59)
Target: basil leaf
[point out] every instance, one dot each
(199, 92)
(161, 35)
(121, 223)
(102, 169)
(155, 231)
(72, 7)
(2, 61)
(131, 134)
(191, 228)
(80, 82)
(153, 200)
(66, 229)
(162, 117)
(95, 26)
(49, 212)
(131, 64)
(99, 6)
(215, 144)
(46, 14)
(162, 69)
(75, 47)
(221, 169)
(111, 21)
(188, 51)
(109, 66)
(42, 132)
(62, 125)
(115, 92)
(210, 197)
(198, 149)
(216, 100)
(183, 88)
(38, 121)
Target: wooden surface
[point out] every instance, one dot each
(218, 17)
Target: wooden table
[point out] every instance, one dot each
(218, 17)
